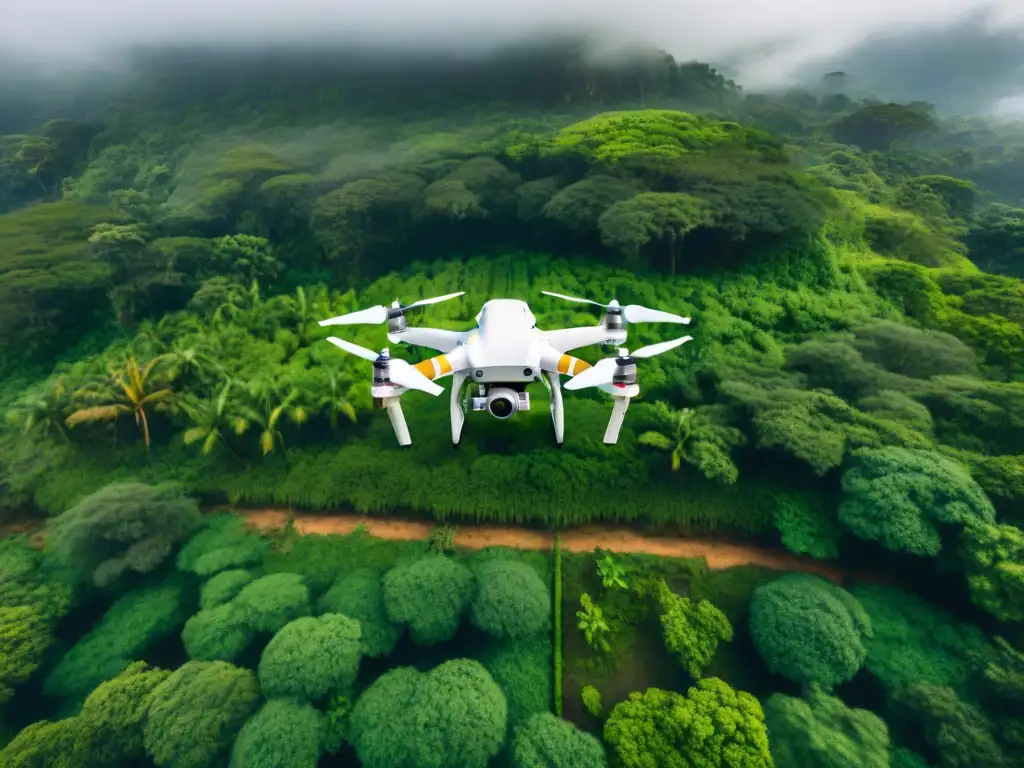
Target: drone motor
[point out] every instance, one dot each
(625, 370)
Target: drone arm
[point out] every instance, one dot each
(432, 338)
(567, 339)
(442, 365)
(554, 360)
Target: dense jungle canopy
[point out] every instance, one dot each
(855, 388)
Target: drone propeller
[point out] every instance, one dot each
(605, 370)
(632, 313)
(400, 371)
(381, 314)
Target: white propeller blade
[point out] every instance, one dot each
(373, 315)
(401, 373)
(573, 298)
(604, 370)
(599, 374)
(435, 300)
(354, 349)
(380, 314)
(633, 313)
(657, 349)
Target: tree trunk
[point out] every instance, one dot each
(672, 255)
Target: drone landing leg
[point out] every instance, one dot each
(557, 413)
(397, 420)
(621, 396)
(458, 416)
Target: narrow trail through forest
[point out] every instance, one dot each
(718, 554)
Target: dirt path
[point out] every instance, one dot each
(718, 554)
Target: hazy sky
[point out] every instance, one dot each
(783, 33)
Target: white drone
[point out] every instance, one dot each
(502, 355)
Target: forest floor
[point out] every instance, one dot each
(718, 554)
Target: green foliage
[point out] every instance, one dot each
(900, 497)
(809, 630)
(511, 600)
(692, 630)
(522, 668)
(282, 734)
(122, 527)
(311, 658)
(660, 727)
(957, 733)
(611, 572)
(195, 714)
(592, 623)
(224, 543)
(453, 716)
(547, 741)
(428, 596)
(24, 637)
(360, 596)
(913, 641)
(217, 633)
(901, 757)
(592, 700)
(558, 623)
(820, 731)
(994, 566)
(223, 587)
(270, 602)
(702, 437)
(807, 527)
(42, 745)
(110, 725)
(134, 624)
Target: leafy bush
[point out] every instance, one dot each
(223, 587)
(591, 700)
(311, 658)
(282, 734)
(691, 630)
(123, 527)
(195, 714)
(224, 543)
(360, 596)
(809, 630)
(666, 728)
(511, 600)
(900, 497)
(820, 731)
(547, 741)
(429, 596)
(454, 716)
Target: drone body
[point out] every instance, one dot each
(501, 357)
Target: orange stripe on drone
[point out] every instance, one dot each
(571, 365)
(434, 367)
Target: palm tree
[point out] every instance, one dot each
(333, 402)
(126, 391)
(268, 409)
(44, 413)
(673, 436)
(212, 420)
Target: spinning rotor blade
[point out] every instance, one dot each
(400, 372)
(573, 298)
(604, 371)
(373, 315)
(435, 300)
(599, 374)
(354, 349)
(380, 313)
(632, 313)
(657, 349)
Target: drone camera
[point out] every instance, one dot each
(502, 402)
